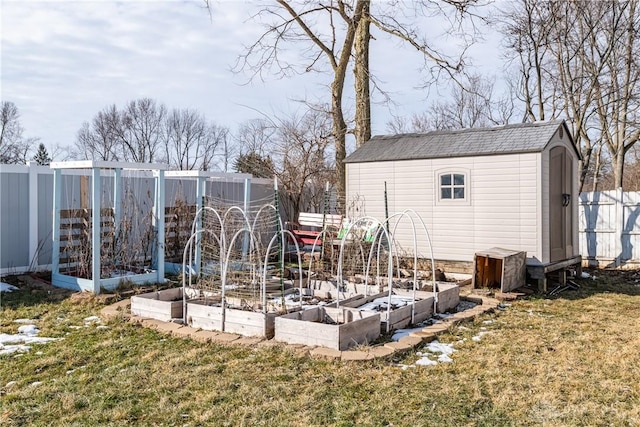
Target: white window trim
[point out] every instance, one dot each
(438, 188)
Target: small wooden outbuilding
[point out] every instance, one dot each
(512, 186)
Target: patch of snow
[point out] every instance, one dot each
(29, 330)
(438, 347)
(13, 348)
(425, 361)
(444, 358)
(35, 383)
(92, 319)
(102, 327)
(382, 303)
(433, 349)
(24, 321)
(19, 343)
(478, 337)
(10, 384)
(5, 287)
(488, 322)
(405, 367)
(399, 333)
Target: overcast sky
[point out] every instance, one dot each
(63, 61)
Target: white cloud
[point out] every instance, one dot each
(63, 61)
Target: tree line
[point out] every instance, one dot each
(564, 59)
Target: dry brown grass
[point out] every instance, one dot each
(567, 361)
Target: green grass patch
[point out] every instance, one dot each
(569, 360)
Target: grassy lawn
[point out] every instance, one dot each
(572, 360)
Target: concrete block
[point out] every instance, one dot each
(168, 327)
(136, 319)
(303, 350)
(472, 298)
(270, 343)
(425, 336)
(508, 296)
(356, 355)
(492, 302)
(184, 331)
(152, 323)
(381, 351)
(203, 336)
(248, 341)
(325, 353)
(224, 338)
(437, 328)
(412, 341)
(463, 315)
(399, 346)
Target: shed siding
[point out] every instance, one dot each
(502, 210)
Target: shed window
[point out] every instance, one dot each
(452, 186)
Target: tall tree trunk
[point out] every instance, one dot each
(596, 172)
(361, 71)
(340, 135)
(618, 167)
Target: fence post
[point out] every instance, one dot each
(619, 224)
(33, 213)
(55, 232)
(201, 188)
(160, 224)
(96, 219)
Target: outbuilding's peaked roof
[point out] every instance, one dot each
(507, 139)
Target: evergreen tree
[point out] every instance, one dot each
(255, 164)
(42, 156)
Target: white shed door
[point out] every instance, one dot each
(560, 199)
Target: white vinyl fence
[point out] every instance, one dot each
(26, 203)
(610, 228)
(609, 220)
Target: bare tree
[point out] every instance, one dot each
(296, 150)
(98, 140)
(140, 130)
(14, 148)
(190, 141)
(362, 78)
(143, 131)
(577, 60)
(617, 84)
(254, 137)
(471, 104)
(329, 30)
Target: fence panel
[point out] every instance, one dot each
(610, 228)
(26, 202)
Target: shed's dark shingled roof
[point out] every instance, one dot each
(508, 139)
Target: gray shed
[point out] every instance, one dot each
(513, 186)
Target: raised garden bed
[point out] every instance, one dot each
(401, 305)
(336, 328)
(162, 305)
(210, 316)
